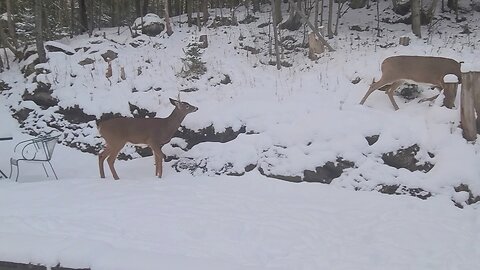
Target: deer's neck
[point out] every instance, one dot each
(174, 120)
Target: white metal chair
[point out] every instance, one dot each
(39, 149)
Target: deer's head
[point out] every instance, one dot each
(184, 107)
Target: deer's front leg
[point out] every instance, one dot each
(156, 163)
(157, 151)
(391, 91)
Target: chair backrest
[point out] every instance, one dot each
(48, 145)
(38, 149)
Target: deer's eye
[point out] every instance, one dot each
(187, 107)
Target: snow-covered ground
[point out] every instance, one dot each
(300, 117)
(204, 222)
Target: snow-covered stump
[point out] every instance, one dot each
(468, 104)
(203, 42)
(405, 41)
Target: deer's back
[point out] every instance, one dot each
(420, 68)
(133, 130)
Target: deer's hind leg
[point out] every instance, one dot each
(101, 158)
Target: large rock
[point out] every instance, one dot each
(53, 46)
(42, 96)
(153, 29)
(289, 178)
(152, 25)
(405, 158)
(208, 134)
(329, 171)
(401, 7)
(75, 115)
(355, 4)
(109, 55)
(4, 86)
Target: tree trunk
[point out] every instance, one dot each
(416, 18)
(138, 8)
(141, 15)
(275, 34)
(189, 12)
(179, 7)
(90, 17)
(319, 36)
(432, 9)
(277, 11)
(198, 16)
(145, 7)
(378, 19)
(72, 16)
(294, 21)
(6, 57)
(82, 10)
(39, 32)
(1, 64)
(11, 25)
(167, 19)
(256, 6)
(340, 5)
(206, 15)
(321, 11)
(115, 16)
(315, 17)
(99, 14)
(330, 19)
(6, 44)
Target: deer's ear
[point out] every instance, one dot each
(174, 102)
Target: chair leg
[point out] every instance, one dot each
(11, 170)
(54, 173)
(18, 172)
(45, 169)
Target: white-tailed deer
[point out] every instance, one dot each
(397, 70)
(154, 132)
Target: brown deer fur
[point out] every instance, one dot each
(421, 69)
(154, 132)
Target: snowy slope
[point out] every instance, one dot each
(305, 116)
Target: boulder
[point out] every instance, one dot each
(42, 96)
(329, 171)
(109, 55)
(86, 61)
(405, 158)
(53, 46)
(75, 115)
(152, 25)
